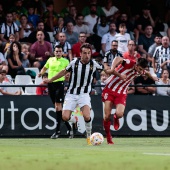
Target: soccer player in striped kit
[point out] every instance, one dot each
(82, 71)
(122, 71)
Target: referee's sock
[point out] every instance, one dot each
(58, 119)
(88, 125)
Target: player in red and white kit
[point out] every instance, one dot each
(123, 71)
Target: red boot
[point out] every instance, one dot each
(107, 130)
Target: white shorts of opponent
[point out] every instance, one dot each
(72, 100)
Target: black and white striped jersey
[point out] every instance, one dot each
(7, 30)
(81, 76)
(66, 46)
(161, 55)
(109, 56)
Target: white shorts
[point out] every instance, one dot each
(71, 101)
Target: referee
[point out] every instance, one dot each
(56, 88)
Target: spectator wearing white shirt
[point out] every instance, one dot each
(91, 19)
(110, 10)
(80, 27)
(122, 38)
(108, 38)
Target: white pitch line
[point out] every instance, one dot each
(158, 154)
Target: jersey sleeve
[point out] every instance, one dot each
(98, 65)
(70, 65)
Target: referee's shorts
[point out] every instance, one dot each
(56, 91)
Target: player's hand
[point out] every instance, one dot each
(123, 77)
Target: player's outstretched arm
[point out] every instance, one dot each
(59, 75)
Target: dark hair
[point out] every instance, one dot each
(112, 23)
(122, 25)
(115, 41)
(45, 75)
(58, 46)
(164, 70)
(19, 47)
(142, 62)
(148, 25)
(85, 45)
(41, 21)
(79, 15)
(23, 15)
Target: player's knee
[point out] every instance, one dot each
(65, 117)
(87, 118)
(107, 117)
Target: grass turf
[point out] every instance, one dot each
(74, 154)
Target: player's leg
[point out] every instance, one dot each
(69, 106)
(51, 92)
(120, 103)
(108, 105)
(120, 108)
(84, 101)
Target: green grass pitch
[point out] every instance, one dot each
(74, 154)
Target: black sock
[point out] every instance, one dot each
(67, 125)
(58, 119)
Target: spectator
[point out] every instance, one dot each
(87, 9)
(145, 41)
(65, 11)
(2, 62)
(32, 17)
(66, 47)
(43, 90)
(131, 54)
(25, 29)
(91, 19)
(110, 11)
(108, 38)
(158, 42)
(19, 9)
(142, 80)
(76, 47)
(15, 58)
(59, 28)
(164, 80)
(80, 26)
(122, 38)
(145, 19)
(161, 57)
(2, 14)
(8, 44)
(101, 28)
(72, 37)
(25, 51)
(111, 54)
(3, 90)
(50, 17)
(101, 82)
(71, 17)
(15, 18)
(131, 90)
(9, 27)
(40, 50)
(40, 27)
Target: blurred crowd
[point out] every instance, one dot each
(30, 30)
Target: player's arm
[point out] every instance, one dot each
(116, 61)
(58, 75)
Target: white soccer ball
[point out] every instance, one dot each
(96, 139)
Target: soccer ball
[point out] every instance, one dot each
(96, 139)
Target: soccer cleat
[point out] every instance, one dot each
(55, 135)
(88, 141)
(109, 140)
(115, 122)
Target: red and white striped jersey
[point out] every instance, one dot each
(118, 85)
